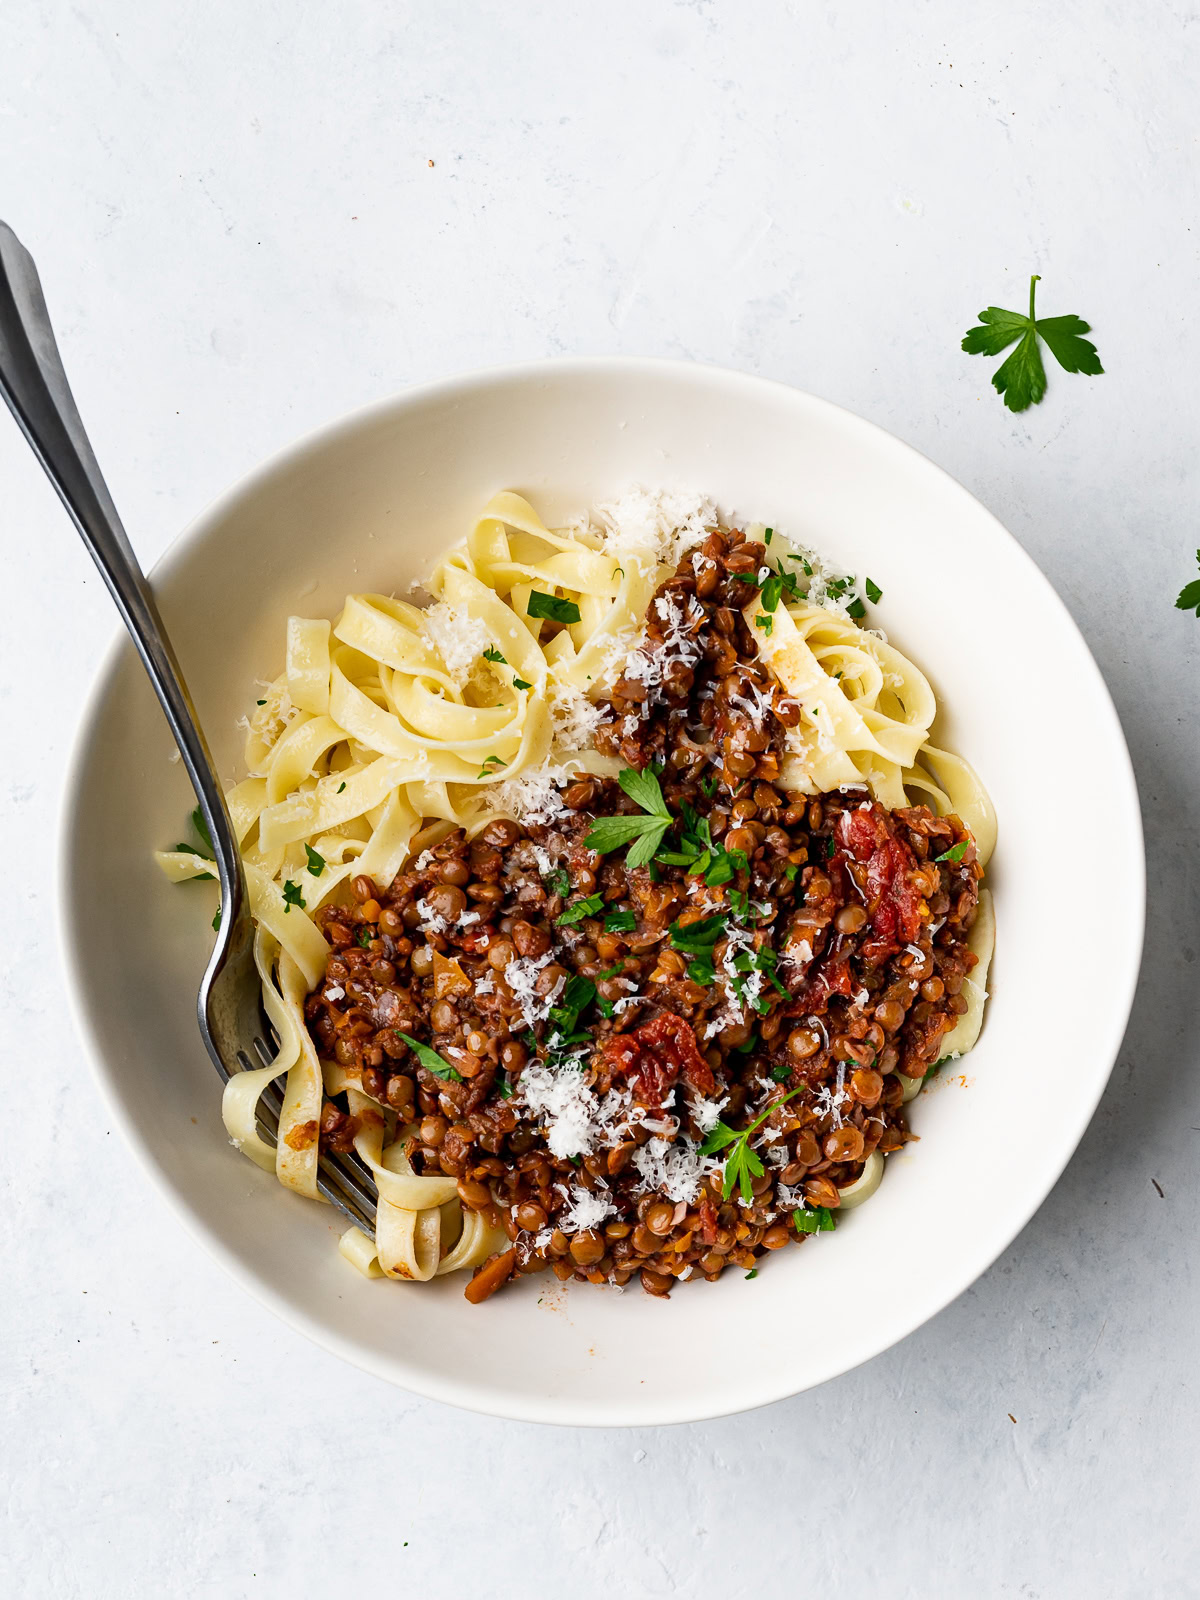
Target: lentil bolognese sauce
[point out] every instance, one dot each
(663, 1069)
(609, 908)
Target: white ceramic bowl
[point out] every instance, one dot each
(365, 505)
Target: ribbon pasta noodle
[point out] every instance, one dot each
(394, 724)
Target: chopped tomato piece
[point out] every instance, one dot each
(832, 977)
(655, 1056)
(894, 905)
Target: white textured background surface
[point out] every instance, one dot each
(241, 236)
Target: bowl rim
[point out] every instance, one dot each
(481, 1395)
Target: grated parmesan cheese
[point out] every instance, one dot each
(532, 797)
(829, 1102)
(521, 976)
(584, 1209)
(567, 1105)
(431, 920)
(727, 1018)
(647, 660)
(756, 702)
(820, 578)
(575, 1119)
(675, 1170)
(706, 1113)
(459, 638)
(654, 527)
(573, 717)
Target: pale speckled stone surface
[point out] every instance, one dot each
(241, 236)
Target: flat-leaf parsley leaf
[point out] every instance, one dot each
(581, 909)
(551, 607)
(1189, 595)
(557, 882)
(822, 1220)
(955, 853)
(1021, 380)
(201, 828)
(429, 1059)
(644, 834)
(742, 1165)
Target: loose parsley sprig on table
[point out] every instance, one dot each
(742, 1165)
(1021, 380)
(1189, 595)
(645, 833)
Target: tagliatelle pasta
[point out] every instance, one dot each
(396, 724)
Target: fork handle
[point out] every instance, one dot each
(35, 386)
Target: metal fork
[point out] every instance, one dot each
(229, 1007)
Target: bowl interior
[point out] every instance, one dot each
(365, 506)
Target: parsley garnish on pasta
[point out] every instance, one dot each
(548, 605)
